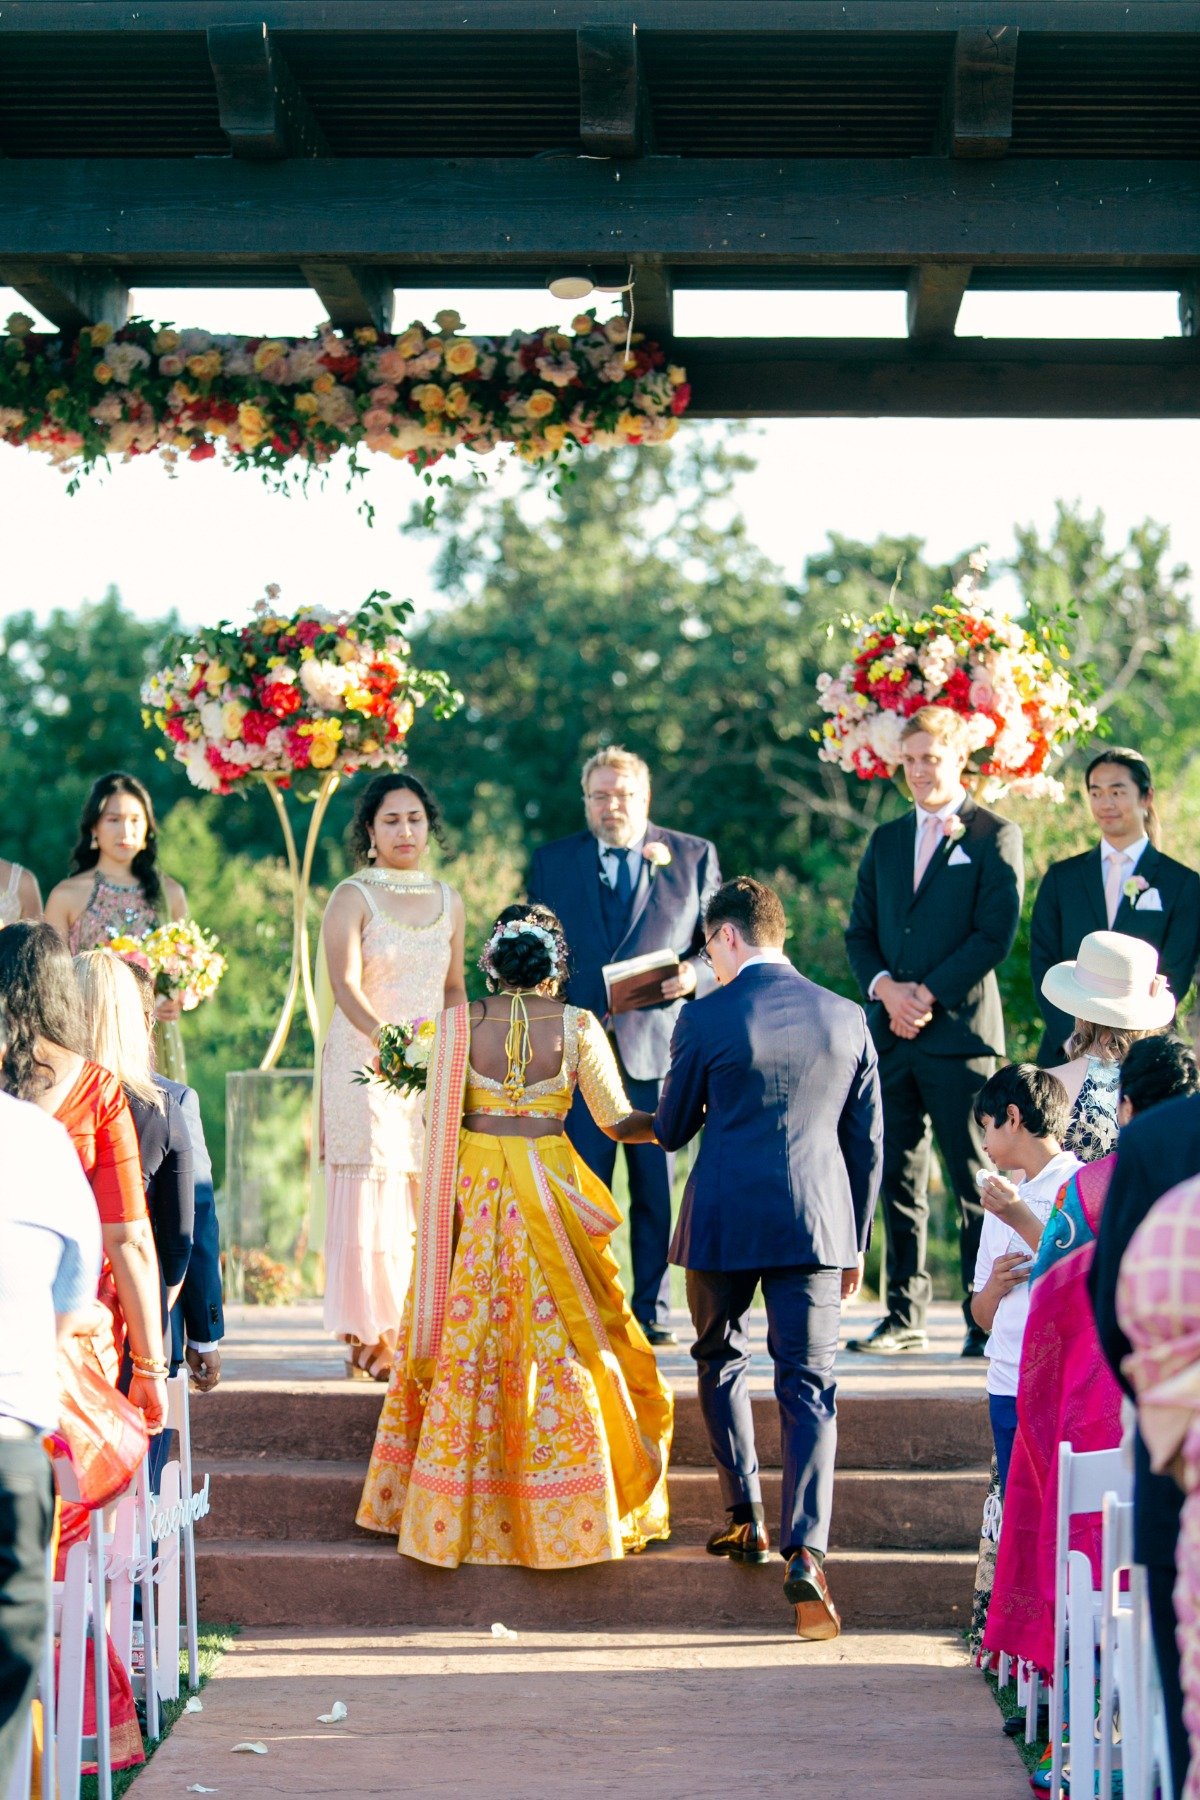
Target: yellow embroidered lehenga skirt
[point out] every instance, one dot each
(543, 1436)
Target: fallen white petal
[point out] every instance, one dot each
(194, 1705)
(196, 1788)
(335, 1717)
(502, 1631)
(257, 1749)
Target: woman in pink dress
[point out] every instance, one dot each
(391, 949)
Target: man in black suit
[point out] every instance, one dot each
(1154, 1154)
(1124, 884)
(935, 912)
(782, 1076)
(622, 888)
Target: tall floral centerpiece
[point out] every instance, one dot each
(294, 700)
(1010, 682)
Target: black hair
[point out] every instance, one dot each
(752, 906)
(1039, 1097)
(145, 864)
(1158, 1068)
(40, 998)
(1135, 765)
(524, 961)
(373, 797)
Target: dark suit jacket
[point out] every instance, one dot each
(784, 1079)
(952, 934)
(166, 1153)
(199, 1312)
(1070, 903)
(1154, 1154)
(667, 914)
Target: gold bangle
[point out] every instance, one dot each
(146, 1365)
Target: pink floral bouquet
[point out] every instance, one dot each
(292, 692)
(181, 956)
(1010, 683)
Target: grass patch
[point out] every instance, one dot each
(214, 1642)
(1006, 1699)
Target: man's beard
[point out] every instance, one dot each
(616, 834)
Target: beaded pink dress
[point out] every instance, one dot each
(372, 1139)
(116, 911)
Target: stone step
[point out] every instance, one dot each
(310, 1500)
(671, 1587)
(337, 1424)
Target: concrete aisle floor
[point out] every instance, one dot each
(679, 1716)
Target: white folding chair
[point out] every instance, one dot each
(1152, 1769)
(79, 1605)
(1119, 1688)
(1083, 1481)
(130, 1566)
(179, 1420)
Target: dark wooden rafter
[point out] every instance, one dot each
(69, 298)
(614, 109)
(263, 112)
(653, 300)
(352, 295)
(979, 98)
(935, 293)
(1189, 308)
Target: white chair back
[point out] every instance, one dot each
(1118, 1674)
(195, 1506)
(1084, 1479)
(79, 1601)
(130, 1566)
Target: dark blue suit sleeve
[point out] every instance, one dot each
(1181, 944)
(685, 1091)
(862, 933)
(860, 1134)
(535, 886)
(171, 1198)
(203, 1314)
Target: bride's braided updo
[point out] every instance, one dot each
(526, 958)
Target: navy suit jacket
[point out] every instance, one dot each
(667, 914)
(199, 1312)
(783, 1077)
(1070, 903)
(952, 933)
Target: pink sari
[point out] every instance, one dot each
(1066, 1393)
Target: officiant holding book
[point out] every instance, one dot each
(629, 892)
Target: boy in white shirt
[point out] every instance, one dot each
(1023, 1112)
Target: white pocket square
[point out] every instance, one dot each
(1150, 900)
(958, 858)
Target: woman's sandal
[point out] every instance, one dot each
(369, 1362)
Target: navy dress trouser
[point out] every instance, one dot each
(651, 1172)
(803, 1312)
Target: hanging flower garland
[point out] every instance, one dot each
(1011, 685)
(293, 692)
(284, 406)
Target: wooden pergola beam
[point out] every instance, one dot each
(69, 298)
(935, 293)
(979, 102)
(653, 301)
(613, 108)
(1129, 18)
(969, 378)
(352, 296)
(765, 213)
(263, 113)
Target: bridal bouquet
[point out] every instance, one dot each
(401, 1057)
(181, 956)
(292, 692)
(1010, 683)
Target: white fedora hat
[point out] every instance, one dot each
(1113, 981)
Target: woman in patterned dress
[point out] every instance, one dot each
(391, 949)
(20, 896)
(115, 889)
(526, 1422)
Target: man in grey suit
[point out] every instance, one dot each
(782, 1076)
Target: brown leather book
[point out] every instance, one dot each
(637, 982)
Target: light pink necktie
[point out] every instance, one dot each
(931, 831)
(1113, 880)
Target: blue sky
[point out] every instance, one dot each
(207, 541)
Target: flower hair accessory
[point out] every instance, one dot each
(516, 928)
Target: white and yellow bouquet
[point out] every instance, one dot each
(182, 957)
(402, 1054)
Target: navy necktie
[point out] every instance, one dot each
(624, 887)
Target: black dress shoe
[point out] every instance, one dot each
(660, 1334)
(817, 1618)
(745, 1543)
(975, 1342)
(890, 1338)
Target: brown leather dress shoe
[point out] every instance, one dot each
(747, 1543)
(805, 1585)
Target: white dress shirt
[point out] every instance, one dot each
(610, 856)
(768, 954)
(1131, 852)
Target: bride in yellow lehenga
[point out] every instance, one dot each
(526, 1421)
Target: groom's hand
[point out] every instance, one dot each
(852, 1279)
(678, 987)
(908, 1005)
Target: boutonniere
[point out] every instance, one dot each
(1136, 884)
(656, 854)
(953, 829)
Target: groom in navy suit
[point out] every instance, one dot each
(782, 1075)
(622, 888)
